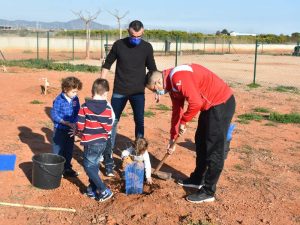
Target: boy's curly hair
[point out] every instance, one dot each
(140, 145)
(70, 83)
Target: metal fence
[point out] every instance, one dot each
(232, 56)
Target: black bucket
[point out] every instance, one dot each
(47, 170)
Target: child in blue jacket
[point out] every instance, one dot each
(64, 116)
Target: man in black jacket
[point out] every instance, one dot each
(133, 56)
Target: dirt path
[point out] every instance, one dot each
(260, 183)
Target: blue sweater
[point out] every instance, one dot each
(63, 110)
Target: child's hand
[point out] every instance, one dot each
(149, 180)
(67, 123)
(72, 125)
(73, 132)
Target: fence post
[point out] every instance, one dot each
(176, 53)
(229, 43)
(37, 46)
(73, 47)
(193, 46)
(101, 43)
(48, 42)
(106, 42)
(215, 45)
(223, 45)
(255, 58)
(204, 45)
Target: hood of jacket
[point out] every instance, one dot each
(96, 106)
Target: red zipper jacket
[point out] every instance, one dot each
(200, 87)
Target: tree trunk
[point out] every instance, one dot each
(120, 30)
(88, 36)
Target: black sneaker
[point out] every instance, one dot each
(109, 173)
(189, 183)
(200, 197)
(70, 173)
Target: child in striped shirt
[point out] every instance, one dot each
(95, 119)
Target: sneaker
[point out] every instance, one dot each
(200, 197)
(109, 173)
(90, 192)
(189, 183)
(105, 195)
(101, 158)
(70, 173)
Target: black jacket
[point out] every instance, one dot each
(132, 62)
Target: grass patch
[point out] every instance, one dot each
(124, 114)
(290, 89)
(246, 149)
(270, 124)
(163, 107)
(50, 65)
(238, 167)
(253, 85)
(285, 118)
(36, 102)
(149, 113)
(261, 110)
(249, 116)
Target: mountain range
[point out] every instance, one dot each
(70, 25)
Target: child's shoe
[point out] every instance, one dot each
(105, 195)
(90, 192)
(109, 173)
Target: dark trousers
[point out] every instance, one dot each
(210, 139)
(63, 145)
(137, 102)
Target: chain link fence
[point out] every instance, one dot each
(232, 58)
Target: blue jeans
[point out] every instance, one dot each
(108, 158)
(91, 159)
(63, 145)
(137, 102)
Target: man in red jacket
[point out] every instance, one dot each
(204, 91)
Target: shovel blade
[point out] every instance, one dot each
(163, 175)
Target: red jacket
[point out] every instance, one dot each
(200, 87)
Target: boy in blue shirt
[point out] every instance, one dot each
(64, 115)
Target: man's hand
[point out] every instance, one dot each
(182, 129)
(171, 147)
(103, 73)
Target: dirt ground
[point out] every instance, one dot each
(260, 183)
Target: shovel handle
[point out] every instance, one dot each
(165, 157)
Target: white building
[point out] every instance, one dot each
(240, 34)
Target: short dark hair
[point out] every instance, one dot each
(100, 86)
(136, 25)
(70, 83)
(148, 78)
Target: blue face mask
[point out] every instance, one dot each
(135, 40)
(161, 92)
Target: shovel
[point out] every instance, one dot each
(164, 175)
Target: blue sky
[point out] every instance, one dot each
(255, 16)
